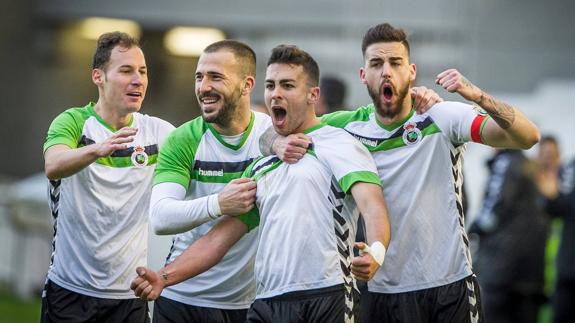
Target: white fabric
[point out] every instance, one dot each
(171, 214)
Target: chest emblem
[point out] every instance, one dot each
(139, 157)
(411, 134)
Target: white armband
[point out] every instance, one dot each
(213, 205)
(376, 250)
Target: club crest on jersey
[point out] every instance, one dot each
(139, 157)
(411, 134)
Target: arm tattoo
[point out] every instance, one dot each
(266, 141)
(502, 113)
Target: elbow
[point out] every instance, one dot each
(51, 172)
(157, 227)
(531, 140)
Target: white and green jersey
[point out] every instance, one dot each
(198, 158)
(101, 212)
(419, 161)
(306, 215)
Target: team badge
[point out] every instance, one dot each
(139, 157)
(411, 134)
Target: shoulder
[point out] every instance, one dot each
(342, 118)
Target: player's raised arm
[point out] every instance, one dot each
(289, 149)
(62, 161)
(508, 128)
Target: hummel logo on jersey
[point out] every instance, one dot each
(203, 172)
(367, 142)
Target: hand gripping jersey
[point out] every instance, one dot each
(101, 212)
(419, 161)
(196, 157)
(306, 214)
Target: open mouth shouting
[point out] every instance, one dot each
(387, 93)
(279, 115)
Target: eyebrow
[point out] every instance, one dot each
(280, 81)
(210, 73)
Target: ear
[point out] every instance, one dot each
(98, 76)
(313, 95)
(362, 75)
(249, 83)
(412, 72)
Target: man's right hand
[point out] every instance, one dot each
(292, 148)
(117, 141)
(238, 197)
(148, 285)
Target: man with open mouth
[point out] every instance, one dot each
(427, 275)
(306, 213)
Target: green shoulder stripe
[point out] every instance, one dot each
(348, 180)
(176, 157)
(66, 129)
(340, 119)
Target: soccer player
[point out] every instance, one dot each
(198, 179)
(427, 275)
(306, 213)
(100, 160)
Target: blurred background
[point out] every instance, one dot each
(522, 51)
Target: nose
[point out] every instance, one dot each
(386, 70)
(203, 85)
(138, 78)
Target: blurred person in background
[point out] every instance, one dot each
(259, 106)
(100, 159)
(512, 231)
(332, 97)
(557, 184)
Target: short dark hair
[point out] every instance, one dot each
(384, 33)
(293, 55)
(241, 51)
(549, 139)
(332, 92)
(107, 42)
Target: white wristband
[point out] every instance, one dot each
(376, 250)
(213, 205)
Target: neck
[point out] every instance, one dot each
(238, 124)
(404, 111)
(310, 121)
(113, 117)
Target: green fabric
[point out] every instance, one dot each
(251, 219)
(348, 180)
(66, 129)
(244, 137)
(119, 162)
(176, 159)
(340, 119)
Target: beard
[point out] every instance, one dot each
(387, 111)
(229, 105)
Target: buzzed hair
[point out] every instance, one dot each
(293, 55)
(384, 33)
(107, 42)
(241, 51)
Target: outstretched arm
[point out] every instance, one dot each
(508, 128)
(371, 204)
(199, 257)
(62, 161)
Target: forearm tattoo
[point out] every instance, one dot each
(501, 112)
(266, 141)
